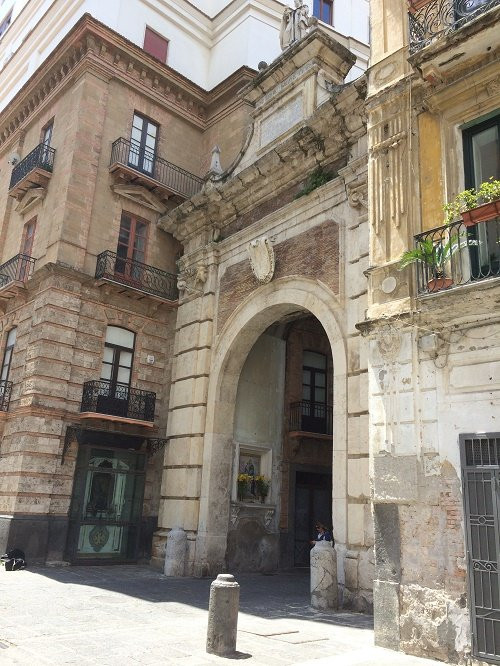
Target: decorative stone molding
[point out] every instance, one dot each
(235, 514)
(389, 342)
(357, 194)
(114, 56)
(268, 517)
(140, 195)
(192, 279)
(262, 261)
(31, 198)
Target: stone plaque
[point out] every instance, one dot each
(281, 120)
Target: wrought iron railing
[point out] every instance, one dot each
(430, 20)
(177, 180)
(19, 269)
(136, 275)
(308, 416)
(105, 397)
(5, 392)
(42, 157)
(458, 255)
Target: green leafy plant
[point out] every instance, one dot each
(243, 482)
(262, 486)
(315, 179)
(433, 255)
(472, 198)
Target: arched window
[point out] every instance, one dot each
(118, 356)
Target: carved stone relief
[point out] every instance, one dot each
(262, 262)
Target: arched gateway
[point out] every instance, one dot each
(269, 304)
(268, 421)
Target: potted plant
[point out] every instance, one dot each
(262, 487)
(243, 483)
(475, 205)
(433, 256)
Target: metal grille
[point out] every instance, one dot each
(5, 393)
(308, 416)
(481, 475)
(454, 255)
(136, 275)
(439, 17)
(42, 157)
(103, 397)
(19, 269)
(482, 452)
(177, 180)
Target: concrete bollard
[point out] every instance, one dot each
(175, 552)
(324, 576)
(223, 615)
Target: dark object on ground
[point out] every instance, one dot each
(14, 560)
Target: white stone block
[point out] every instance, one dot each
(355, 524)
(358, 478)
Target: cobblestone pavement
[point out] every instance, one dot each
(134, 615)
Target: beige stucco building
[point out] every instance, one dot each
(433, 126)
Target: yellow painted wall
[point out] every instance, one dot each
(431, 177)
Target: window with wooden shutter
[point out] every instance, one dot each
(155, 45)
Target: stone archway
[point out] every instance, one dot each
(265, 306)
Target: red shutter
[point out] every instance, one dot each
(156, 45)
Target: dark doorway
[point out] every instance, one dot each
(313, 502)
(106, 508)
(481, 476)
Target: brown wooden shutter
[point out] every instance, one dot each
(155, 45)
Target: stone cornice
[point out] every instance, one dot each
(92, 44)
(323, 138)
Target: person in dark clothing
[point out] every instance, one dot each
(323, 534)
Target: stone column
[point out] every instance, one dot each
(175, 552)
(323, 576)
(223, 615)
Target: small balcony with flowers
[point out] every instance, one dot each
(463, 251)
(437, 26)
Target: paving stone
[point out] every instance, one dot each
(135, 615)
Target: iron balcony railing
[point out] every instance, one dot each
(429, 20)
(5, 392)
(136, 275)
(42, 157)
(458, 255)
(144, 161)
(105, 397)
(308, 416)
(17, 269)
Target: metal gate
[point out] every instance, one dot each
(481, 480)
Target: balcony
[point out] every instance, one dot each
(461, 255)
(312, 418)
(35, 170)
(136, 277)
(156, 174)
(428, 21)
(14, 275)
(117, 402)
(5, 392)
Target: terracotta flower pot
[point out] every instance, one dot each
(486, 211)
(436, 284)
(415, 5)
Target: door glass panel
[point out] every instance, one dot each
(107, 504)
(106, 372)
(486, 155)
(126, 359)
(320, 379)
(306, 393)
(123, 376)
